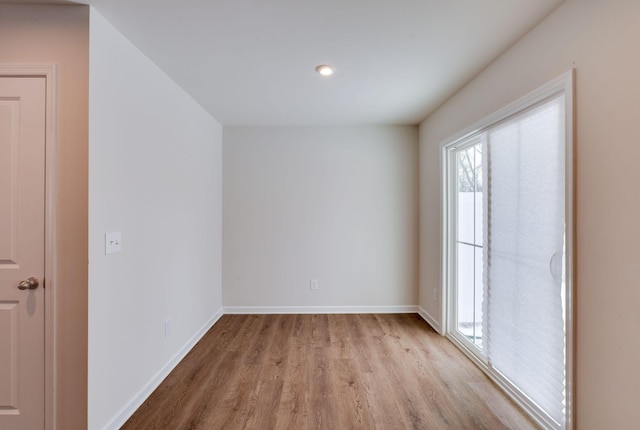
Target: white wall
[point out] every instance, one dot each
(600, 39)
(155, 175)
(334, 204)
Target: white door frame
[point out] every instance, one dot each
(47, 71)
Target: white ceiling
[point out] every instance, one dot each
(251, 62)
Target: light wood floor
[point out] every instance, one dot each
(326, 372)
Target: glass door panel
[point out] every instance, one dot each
(468, 253)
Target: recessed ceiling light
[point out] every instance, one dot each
(325, 70)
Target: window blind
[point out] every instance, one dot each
(524, 218)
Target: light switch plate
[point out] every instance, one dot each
(112, 242)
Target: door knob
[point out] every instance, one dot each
(30, 284)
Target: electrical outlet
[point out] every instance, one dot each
(167, 327)
(314, 284)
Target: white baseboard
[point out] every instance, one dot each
(133, 405)
(400, 309)
(429, 319)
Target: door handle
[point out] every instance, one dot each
(30, 284)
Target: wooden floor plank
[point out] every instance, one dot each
(326, 372)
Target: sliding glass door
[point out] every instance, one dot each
(507, 249)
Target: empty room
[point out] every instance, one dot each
(331, 215)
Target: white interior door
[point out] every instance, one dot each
(22, 241)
